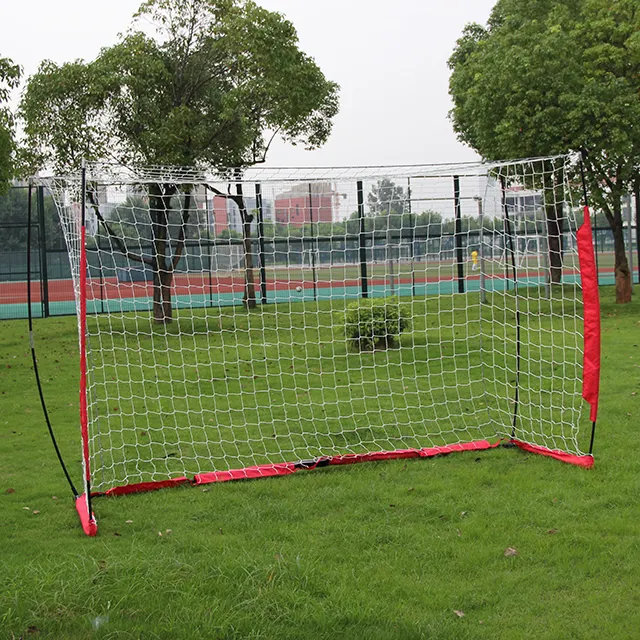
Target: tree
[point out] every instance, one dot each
(217, 82)
(386, 198)
(9, 79)
(548, 77)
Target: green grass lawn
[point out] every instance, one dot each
(380, 550)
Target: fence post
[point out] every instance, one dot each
(42, 239)
(629, 234)
(483, 289)
(412, 222)
(364, 281)
(263, 269)
(596, 233)
(314, 245)
(458, 233)
(636, 197)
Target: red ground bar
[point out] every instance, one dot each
(287, 468)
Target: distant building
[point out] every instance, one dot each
(305, 203)
(224, 214)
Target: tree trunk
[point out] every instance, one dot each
(249, 296)
(622, 271)
(162, 307)
(555, 229)
(163, 273)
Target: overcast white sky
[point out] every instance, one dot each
(389, 58)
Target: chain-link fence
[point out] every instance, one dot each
(402, 258)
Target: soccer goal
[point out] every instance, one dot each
(200, 375)
(531, 252)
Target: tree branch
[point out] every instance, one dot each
(120, 245)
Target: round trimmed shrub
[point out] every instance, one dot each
(375, 323)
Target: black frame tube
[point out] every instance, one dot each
(458, 233)
(364, 280)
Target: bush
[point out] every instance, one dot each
(375, 323)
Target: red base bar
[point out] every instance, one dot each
(89, 523)
(261, 471)
(287, 468)
(580, 461)
(143, 487)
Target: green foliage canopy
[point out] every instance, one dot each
(551, 76)
(9, 79)
(548, 77)
(215, 83)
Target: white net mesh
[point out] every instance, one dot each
(184, 379)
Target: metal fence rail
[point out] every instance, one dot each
(398, 253)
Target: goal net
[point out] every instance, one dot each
(216, 352)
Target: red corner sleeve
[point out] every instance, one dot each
(563, 456)
(591, 300)
(88, 521)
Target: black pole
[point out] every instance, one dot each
(42, 234)
(458, 233)
(364, 281)
(509, 235)
(313, 246)
(263, 269)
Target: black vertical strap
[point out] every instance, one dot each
(263, 269)
(364, 280)
(33, 350)
(509, 236)
(585, 195)
(458, 233)
(42, 235)
(314, 245)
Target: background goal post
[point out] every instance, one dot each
(348, 355)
